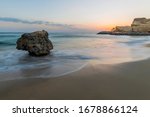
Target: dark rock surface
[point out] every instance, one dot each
(36, 43)
(104, 32)
(125, 33)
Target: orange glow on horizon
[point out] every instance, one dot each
(100, 27)
(97, 27)
(106, 27)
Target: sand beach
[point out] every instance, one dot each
(127, 81)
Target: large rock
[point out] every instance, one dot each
(36, 43)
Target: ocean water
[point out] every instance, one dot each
(71, 53)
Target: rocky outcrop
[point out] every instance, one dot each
(36, 43)
(140, 21)
(122, 29)
(140, 26)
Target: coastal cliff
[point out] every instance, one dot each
(139, 26)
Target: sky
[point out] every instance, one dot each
(69, 15)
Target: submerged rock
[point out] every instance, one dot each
(36, 43)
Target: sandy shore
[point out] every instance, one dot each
(121, 81)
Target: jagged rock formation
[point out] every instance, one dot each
(36, 43)
(140, 26)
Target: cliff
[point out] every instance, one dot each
(139, 26)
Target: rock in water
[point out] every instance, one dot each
(36, 43)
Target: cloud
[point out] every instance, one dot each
(38, 22)
(52, 26)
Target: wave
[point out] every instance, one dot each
(3, 36)
(18, 65)
(11, 32)
(7, 43)
(73, 36)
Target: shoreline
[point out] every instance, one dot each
(125, 81)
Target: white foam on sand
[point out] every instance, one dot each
(19, 65)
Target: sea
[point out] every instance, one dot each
(71, 53)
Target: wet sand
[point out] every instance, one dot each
(126, 81)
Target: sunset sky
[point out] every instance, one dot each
(69, 15)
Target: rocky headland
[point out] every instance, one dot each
(36, 43)
(140, 26)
